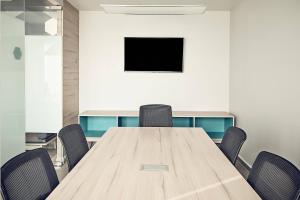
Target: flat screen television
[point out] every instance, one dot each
(153, 54)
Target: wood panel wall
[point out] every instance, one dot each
(70, 64)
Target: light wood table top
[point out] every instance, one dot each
(112, 169)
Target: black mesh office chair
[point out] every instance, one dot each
(155, 115)
(232, 143)
(28, 176)
(274, 178)
(74, 142)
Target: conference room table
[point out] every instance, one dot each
(154, 163)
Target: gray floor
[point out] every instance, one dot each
(242, 169)
(62, 171)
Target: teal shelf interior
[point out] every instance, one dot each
(94, 133)
(96, 126)
(215, 127)
(128, 121)
(183, 122)
(216, 135)
(228, 123)
(83, 123)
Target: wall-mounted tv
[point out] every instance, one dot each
(153, 54)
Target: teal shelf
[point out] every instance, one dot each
(210, 124)
(215, 135)
(83, 123)
(228, 123)
(94, 133)
(96, 126)
(214, 126)
(128, 121)
(183, 122)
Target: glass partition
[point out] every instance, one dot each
(12, 79)
(43, 69)
(31, 42)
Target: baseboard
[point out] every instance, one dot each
(245, 163)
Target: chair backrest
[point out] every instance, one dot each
(274, 178)
(232, 143)
(155, 115)
(30, 175)
(74, 142)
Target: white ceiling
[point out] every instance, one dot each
(94, 4)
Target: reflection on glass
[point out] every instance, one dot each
(51, 26)
(43, 22)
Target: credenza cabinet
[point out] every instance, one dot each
(96, 122)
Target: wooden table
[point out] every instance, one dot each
(180, 163)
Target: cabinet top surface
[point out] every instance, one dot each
(174, 113)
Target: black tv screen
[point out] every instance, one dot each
(153, 54)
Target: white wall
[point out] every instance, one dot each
(204, 85)
(265, 76)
